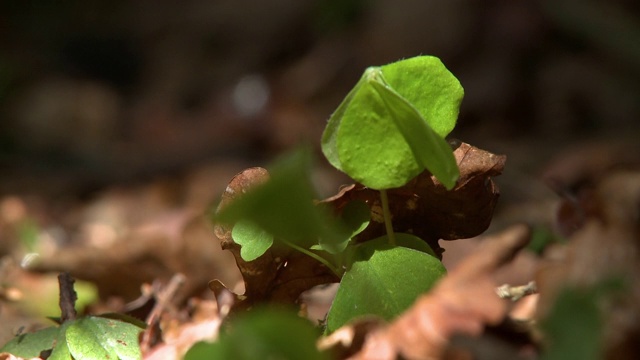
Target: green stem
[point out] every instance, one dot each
(317, 257)
(387, 217)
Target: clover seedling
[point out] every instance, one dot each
(111, 336)
(389, 129)
(392, 125)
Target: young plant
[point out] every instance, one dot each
(111, 336)
(389, 129)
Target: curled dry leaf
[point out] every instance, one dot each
(462, 303)
(425, 208)
(281, 274)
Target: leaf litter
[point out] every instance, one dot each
(601, 246)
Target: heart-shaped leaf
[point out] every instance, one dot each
(254, 241)
(429, 149)
(91, 337)
(30, 345)
(390, 127)
(101, 338)
(426, 84)
(383, 281)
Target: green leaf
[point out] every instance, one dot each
(61, 351)
(84, 342)
(253, 240)
(86, 338)
(430, 150)
(101, 338)
(355, 217)
(574, 326)
(283, 206)
(388, 130)
(426, 84)
(405, 240)
(383, 281)
(30, 345)
(263, 334)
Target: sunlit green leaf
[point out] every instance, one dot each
(86, 338)
(430, 150)
(426, 84)
(101, 338)
(254, 241)
(84, 342)
(405, 240)
(30, 345)
(263, 334)
(61, 350)
(390, 127)
(383, 281)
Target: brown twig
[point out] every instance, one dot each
(68, 297)
(163, 297)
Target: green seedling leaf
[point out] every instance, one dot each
(430, 150)
(31, 345)
(426, 84)
(253, 240)
(355, 218)
(263, 334)
(388, 130)
(383, 281)
(404, 240)
(61, 351)
(84, 342)
(283, 206)
(86, 338)
(101, 338)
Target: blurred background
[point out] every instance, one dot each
(121, 121)
(96, 92)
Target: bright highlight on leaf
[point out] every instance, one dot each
(253, 240)
(91, 337)
(100, 338)
(392, 125)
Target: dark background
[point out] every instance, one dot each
(97, 92)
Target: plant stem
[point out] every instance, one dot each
(387, 217)
(317, 257)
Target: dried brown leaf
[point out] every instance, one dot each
(424, 207)
(178, 336)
